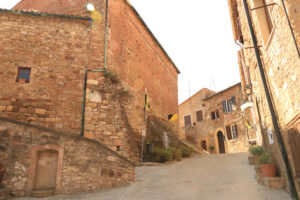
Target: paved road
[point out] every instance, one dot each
(210, 177)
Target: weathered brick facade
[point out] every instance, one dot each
(205, 126)
(281, 66)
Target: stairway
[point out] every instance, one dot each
(195, 147)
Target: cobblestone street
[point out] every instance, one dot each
(213, 177)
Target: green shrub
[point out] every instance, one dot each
(256, 150)
(186, 151)
(178, 154)
(162, 155)
(265, 158)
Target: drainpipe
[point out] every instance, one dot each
(271, 108)
(94, 70)
(291, 28)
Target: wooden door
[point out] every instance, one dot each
(203, 144)
(221, 142)
(46, 170)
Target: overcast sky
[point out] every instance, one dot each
(198, 37)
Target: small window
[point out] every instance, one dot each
(199, 115)
(215, 115)
(23, 74)
(187, 120)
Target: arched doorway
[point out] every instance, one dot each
(221, 142)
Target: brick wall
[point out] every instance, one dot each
(56, 51)
(83, 164)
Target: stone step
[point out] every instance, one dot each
(43, 193)
(195, 147)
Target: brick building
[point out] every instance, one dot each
(215, 122)
(268, 32)
(61, 71)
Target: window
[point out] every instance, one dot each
(264, 19)
(231, 132)
(214, 115)
(199, 115)
(23, 74)
(187, 120)
(234, 131)
(229, 105)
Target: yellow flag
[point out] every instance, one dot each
(247, 123)
(174, 117)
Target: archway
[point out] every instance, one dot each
(221, 143)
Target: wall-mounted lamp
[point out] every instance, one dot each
(90, 7)
(248, 90)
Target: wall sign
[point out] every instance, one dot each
(270, 136)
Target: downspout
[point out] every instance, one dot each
(292, 31)
(94, 70)
(270, 105)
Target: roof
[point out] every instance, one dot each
(221, 91)
(152, 35)
(34, 13)
(196, 95)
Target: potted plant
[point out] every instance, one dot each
(211, 148)
(267, 164)
(255, 151)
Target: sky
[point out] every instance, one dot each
(198, 37)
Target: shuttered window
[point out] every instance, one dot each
(213, 115)
(228, 131)
(234, 132)
(187, 120)
(199, 115)
(229, 105)
(224, 106)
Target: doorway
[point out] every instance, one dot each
(203, 145)
(221, 142)
(46, 170)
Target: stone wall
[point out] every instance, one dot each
(83, 164)
(108, 106)
(281, 67)
(56, 50)
(207, 129)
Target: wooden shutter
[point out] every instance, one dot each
(217, 114)
(199, 115)
(233, 101)
(187, 120)
(236, 130)
(224, 106)
(229, 105)
(228, 131)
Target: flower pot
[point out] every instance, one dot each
(268, 170)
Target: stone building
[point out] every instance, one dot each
(268, 33)
(61, 71)
(215, 122)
